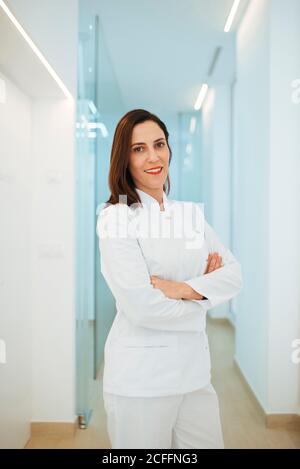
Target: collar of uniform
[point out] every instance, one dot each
(147, 199)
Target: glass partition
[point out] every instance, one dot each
(86, 150)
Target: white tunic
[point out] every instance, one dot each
(158, 346)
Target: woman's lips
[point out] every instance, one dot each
(154, 171)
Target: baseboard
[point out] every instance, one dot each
(286, 421)
(54, 429)
(250, 391)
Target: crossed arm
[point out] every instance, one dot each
(181, 290)
(176, 306)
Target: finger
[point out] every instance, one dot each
(211, 258)
(213, 263)
(218, 262)
(216, 257)
(208, 263)
(208, 260)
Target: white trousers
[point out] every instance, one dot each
(190, 420)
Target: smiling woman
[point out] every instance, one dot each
(140, 157)
(156, 382)
(149, 158)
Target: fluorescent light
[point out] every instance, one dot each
(84, 120)
(192, 125)
(35, 50)
(189, 148)
(91, 126)
(103, 129)
(187, 163)
(100, 126)
(92, 107)
(231, 15)
(201, 97)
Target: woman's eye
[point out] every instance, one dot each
(137, 149)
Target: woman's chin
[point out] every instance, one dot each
(155, 182)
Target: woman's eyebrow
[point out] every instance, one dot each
(143, 143)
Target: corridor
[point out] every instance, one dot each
(242, 419)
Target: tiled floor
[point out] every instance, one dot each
(243, 424)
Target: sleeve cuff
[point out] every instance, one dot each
(199, 287)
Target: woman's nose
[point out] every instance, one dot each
(153, 155)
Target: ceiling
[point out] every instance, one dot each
(161, 51)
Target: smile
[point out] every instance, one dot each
(154, 170)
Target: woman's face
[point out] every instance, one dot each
(148, 150)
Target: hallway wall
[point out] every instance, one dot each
(216, 170)
(15, 272)
(252, 179)
(284, 197)
(38, 279)
(267, 228)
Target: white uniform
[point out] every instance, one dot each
(157, 347)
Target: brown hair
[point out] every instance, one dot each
(119, 179)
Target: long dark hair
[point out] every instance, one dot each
(119, 179)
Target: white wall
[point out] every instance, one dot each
(38, 273)
(15, 267)
(251, 161)
(284, 197)
(216, 169)
(53, 275)
(267, 225)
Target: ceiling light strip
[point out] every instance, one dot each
(231, 15)
(201, 96)
(36, 50)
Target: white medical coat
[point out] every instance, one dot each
(158, 346)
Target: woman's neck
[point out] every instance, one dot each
(157, 194)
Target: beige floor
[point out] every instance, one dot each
(243, 424)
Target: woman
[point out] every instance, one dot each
(156, 384)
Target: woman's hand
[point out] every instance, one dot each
(170, 288)
(180, 290)
(214, 262)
